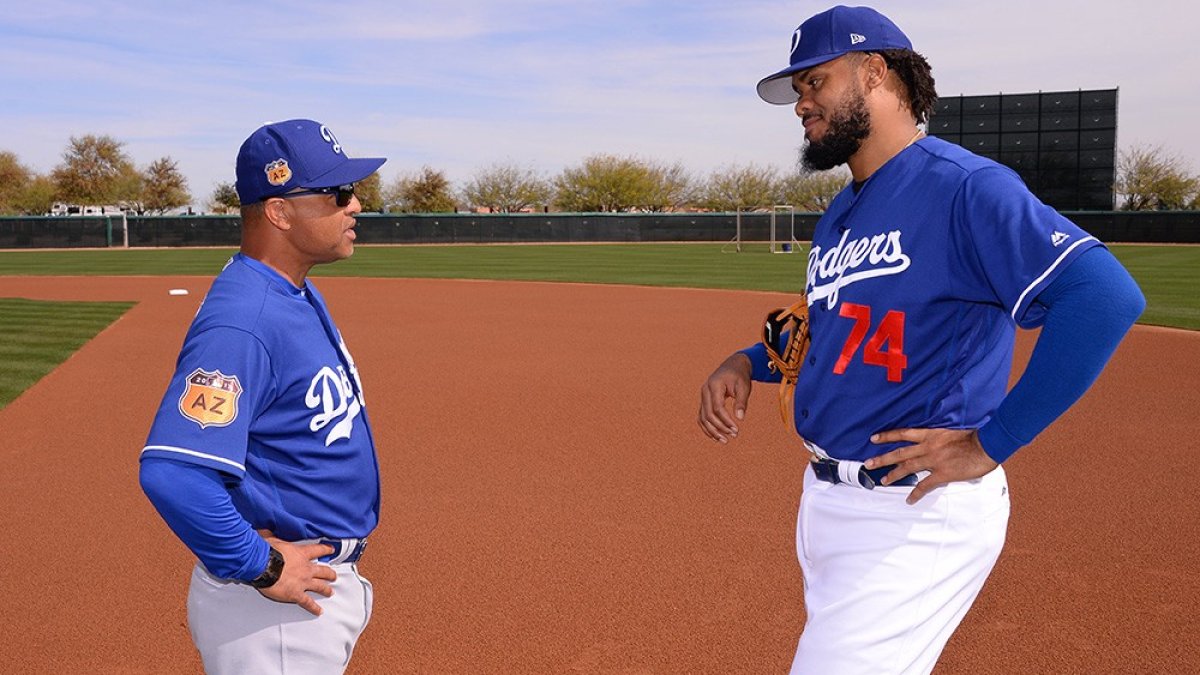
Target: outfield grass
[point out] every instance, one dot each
(1169, 275)
(37, 336)
(693, 265)
(1170, 279)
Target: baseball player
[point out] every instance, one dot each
(261, 457)
(918, 275)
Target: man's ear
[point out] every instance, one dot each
(278, 213)
(876, 69)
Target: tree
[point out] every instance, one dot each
(506, 188)
(1149, 178)
(741, 188)
(670, 187)
(95, 170)
(14, 179)
(427, 191)
(812, 191)
(38, 197)
(224, 199)
(607, 183)
(370, 193)
(165, 188)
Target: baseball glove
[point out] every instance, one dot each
(785, 335)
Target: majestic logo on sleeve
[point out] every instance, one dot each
(210, 399)
(332, 395)
(851, 261)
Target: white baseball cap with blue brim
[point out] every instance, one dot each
(826, 36)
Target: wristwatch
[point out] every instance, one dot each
(272, 573)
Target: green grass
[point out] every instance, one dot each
(694, 265)
(37, 336)
(1169, 275)
(1170, 279)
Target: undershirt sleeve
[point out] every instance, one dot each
(760, 362)
(1088, 309)
(193, 501)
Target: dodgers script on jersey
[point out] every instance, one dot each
(916, 282)
(243, 389)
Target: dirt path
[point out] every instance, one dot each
(551, 507)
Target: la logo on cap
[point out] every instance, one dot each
(278, 172)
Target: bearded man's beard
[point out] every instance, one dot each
(848, 127)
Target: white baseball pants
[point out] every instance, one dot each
(239, 631)
(885, 583)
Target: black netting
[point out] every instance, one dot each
(67, 232)
(465, 228)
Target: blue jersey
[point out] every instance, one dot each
(916, 282)
(266, 392)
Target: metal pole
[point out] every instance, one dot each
(772, 230)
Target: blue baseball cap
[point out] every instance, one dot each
(283, 156)
(826, 36)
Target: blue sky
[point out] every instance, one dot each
(461, 84)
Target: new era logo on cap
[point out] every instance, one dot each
(284, 156)
(828, 35)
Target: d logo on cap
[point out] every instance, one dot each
(330, 138)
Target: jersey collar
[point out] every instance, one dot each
(278, 279)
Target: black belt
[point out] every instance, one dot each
(827, 470)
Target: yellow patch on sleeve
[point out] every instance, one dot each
(210, 399)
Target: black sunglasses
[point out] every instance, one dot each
(342, 193)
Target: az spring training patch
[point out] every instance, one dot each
(210, 399)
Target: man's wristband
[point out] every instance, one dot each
(274, 570)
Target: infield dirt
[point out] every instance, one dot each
(550, 506)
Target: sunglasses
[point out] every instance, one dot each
(786, 355)
(342, 193)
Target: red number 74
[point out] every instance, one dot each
(890, 330)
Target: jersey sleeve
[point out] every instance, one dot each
(1018, 244)
(222, 380)
(760, 363)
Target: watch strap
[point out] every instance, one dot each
(274, 570)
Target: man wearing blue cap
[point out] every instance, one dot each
(919, 274)
(261, 458)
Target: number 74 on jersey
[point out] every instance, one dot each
(885, 347)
